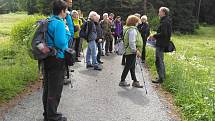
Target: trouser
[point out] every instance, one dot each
(99, 52)
(159, 62)
(129, 66)
(144, 51)
(123, 59)
(109, 40)
(52, 87)
(76, 45)
(80, 45)
(91, 51)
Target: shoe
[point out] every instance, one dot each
(100, 62)
(89, 66)
(143, 61)
(137, 84)
(123, 84)
(63, 119)
(72, 70)
(157, 81)
(97, 68)
(78, 60)
(111, 52)
(67, 81)
(107, 54)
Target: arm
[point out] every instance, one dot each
(60, 36)
(70, 24)
(163, 31)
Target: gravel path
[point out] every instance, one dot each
(96, 96)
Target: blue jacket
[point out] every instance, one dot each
(58, 32)
(70, 24)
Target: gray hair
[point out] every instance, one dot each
(165, 10)
(92, 14)
(144, 17)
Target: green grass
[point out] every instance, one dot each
(16, 68)
(191, 74)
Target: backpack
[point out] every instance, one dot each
(120, 46)
(84, 32)
(37, 47)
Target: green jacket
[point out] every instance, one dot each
(139, 42)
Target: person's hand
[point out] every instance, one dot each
(138, 54)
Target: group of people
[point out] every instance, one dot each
(64, 32)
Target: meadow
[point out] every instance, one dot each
(191, 74)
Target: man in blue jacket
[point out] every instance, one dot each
(54, 66)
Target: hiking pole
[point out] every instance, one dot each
(139, 60)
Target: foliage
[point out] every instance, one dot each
(190, 74)
(16, 67)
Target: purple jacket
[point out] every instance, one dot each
(118, 28)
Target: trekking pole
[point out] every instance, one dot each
(139, 60)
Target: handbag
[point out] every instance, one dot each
(170, 47)
(70, 56)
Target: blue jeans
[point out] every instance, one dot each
(91, 51)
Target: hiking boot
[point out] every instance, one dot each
(124, 84)
(137, 84)
(158, 81)
(97, 68)
(89, 66)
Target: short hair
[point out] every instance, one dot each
(111, 14)
(132, 20)
(58, 6)
(91, 14)
(105, 14)
(137, 14)
(74, 11)
(144, 17)
(165, 10)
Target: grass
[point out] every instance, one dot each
(191, 74)
(16, 68)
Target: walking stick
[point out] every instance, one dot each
(141, 68)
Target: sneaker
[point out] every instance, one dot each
(100, 62)
(157, 81)
(89, 66)
(97, 68)
(137, 84)
(107, 54)
(123, 84)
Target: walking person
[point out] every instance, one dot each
(162, 38)
(106, 27)
(92, 46)
(133, 47)
(54, 66)
(144, 29)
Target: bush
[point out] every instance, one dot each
(17, 68)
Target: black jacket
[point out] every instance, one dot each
(144, 29)
(99, 31)
(164, 32)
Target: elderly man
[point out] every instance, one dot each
(162, 41)
(91, 39)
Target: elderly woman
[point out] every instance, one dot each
(145, 32)
(77, 23)
(133, 47)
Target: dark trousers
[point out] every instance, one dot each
(108, 44)
(76, 45)
(111, 44)
(144, 51)
(52, 87)
(123, 60)
(160, 66)
(129, 66)
(99, 52)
